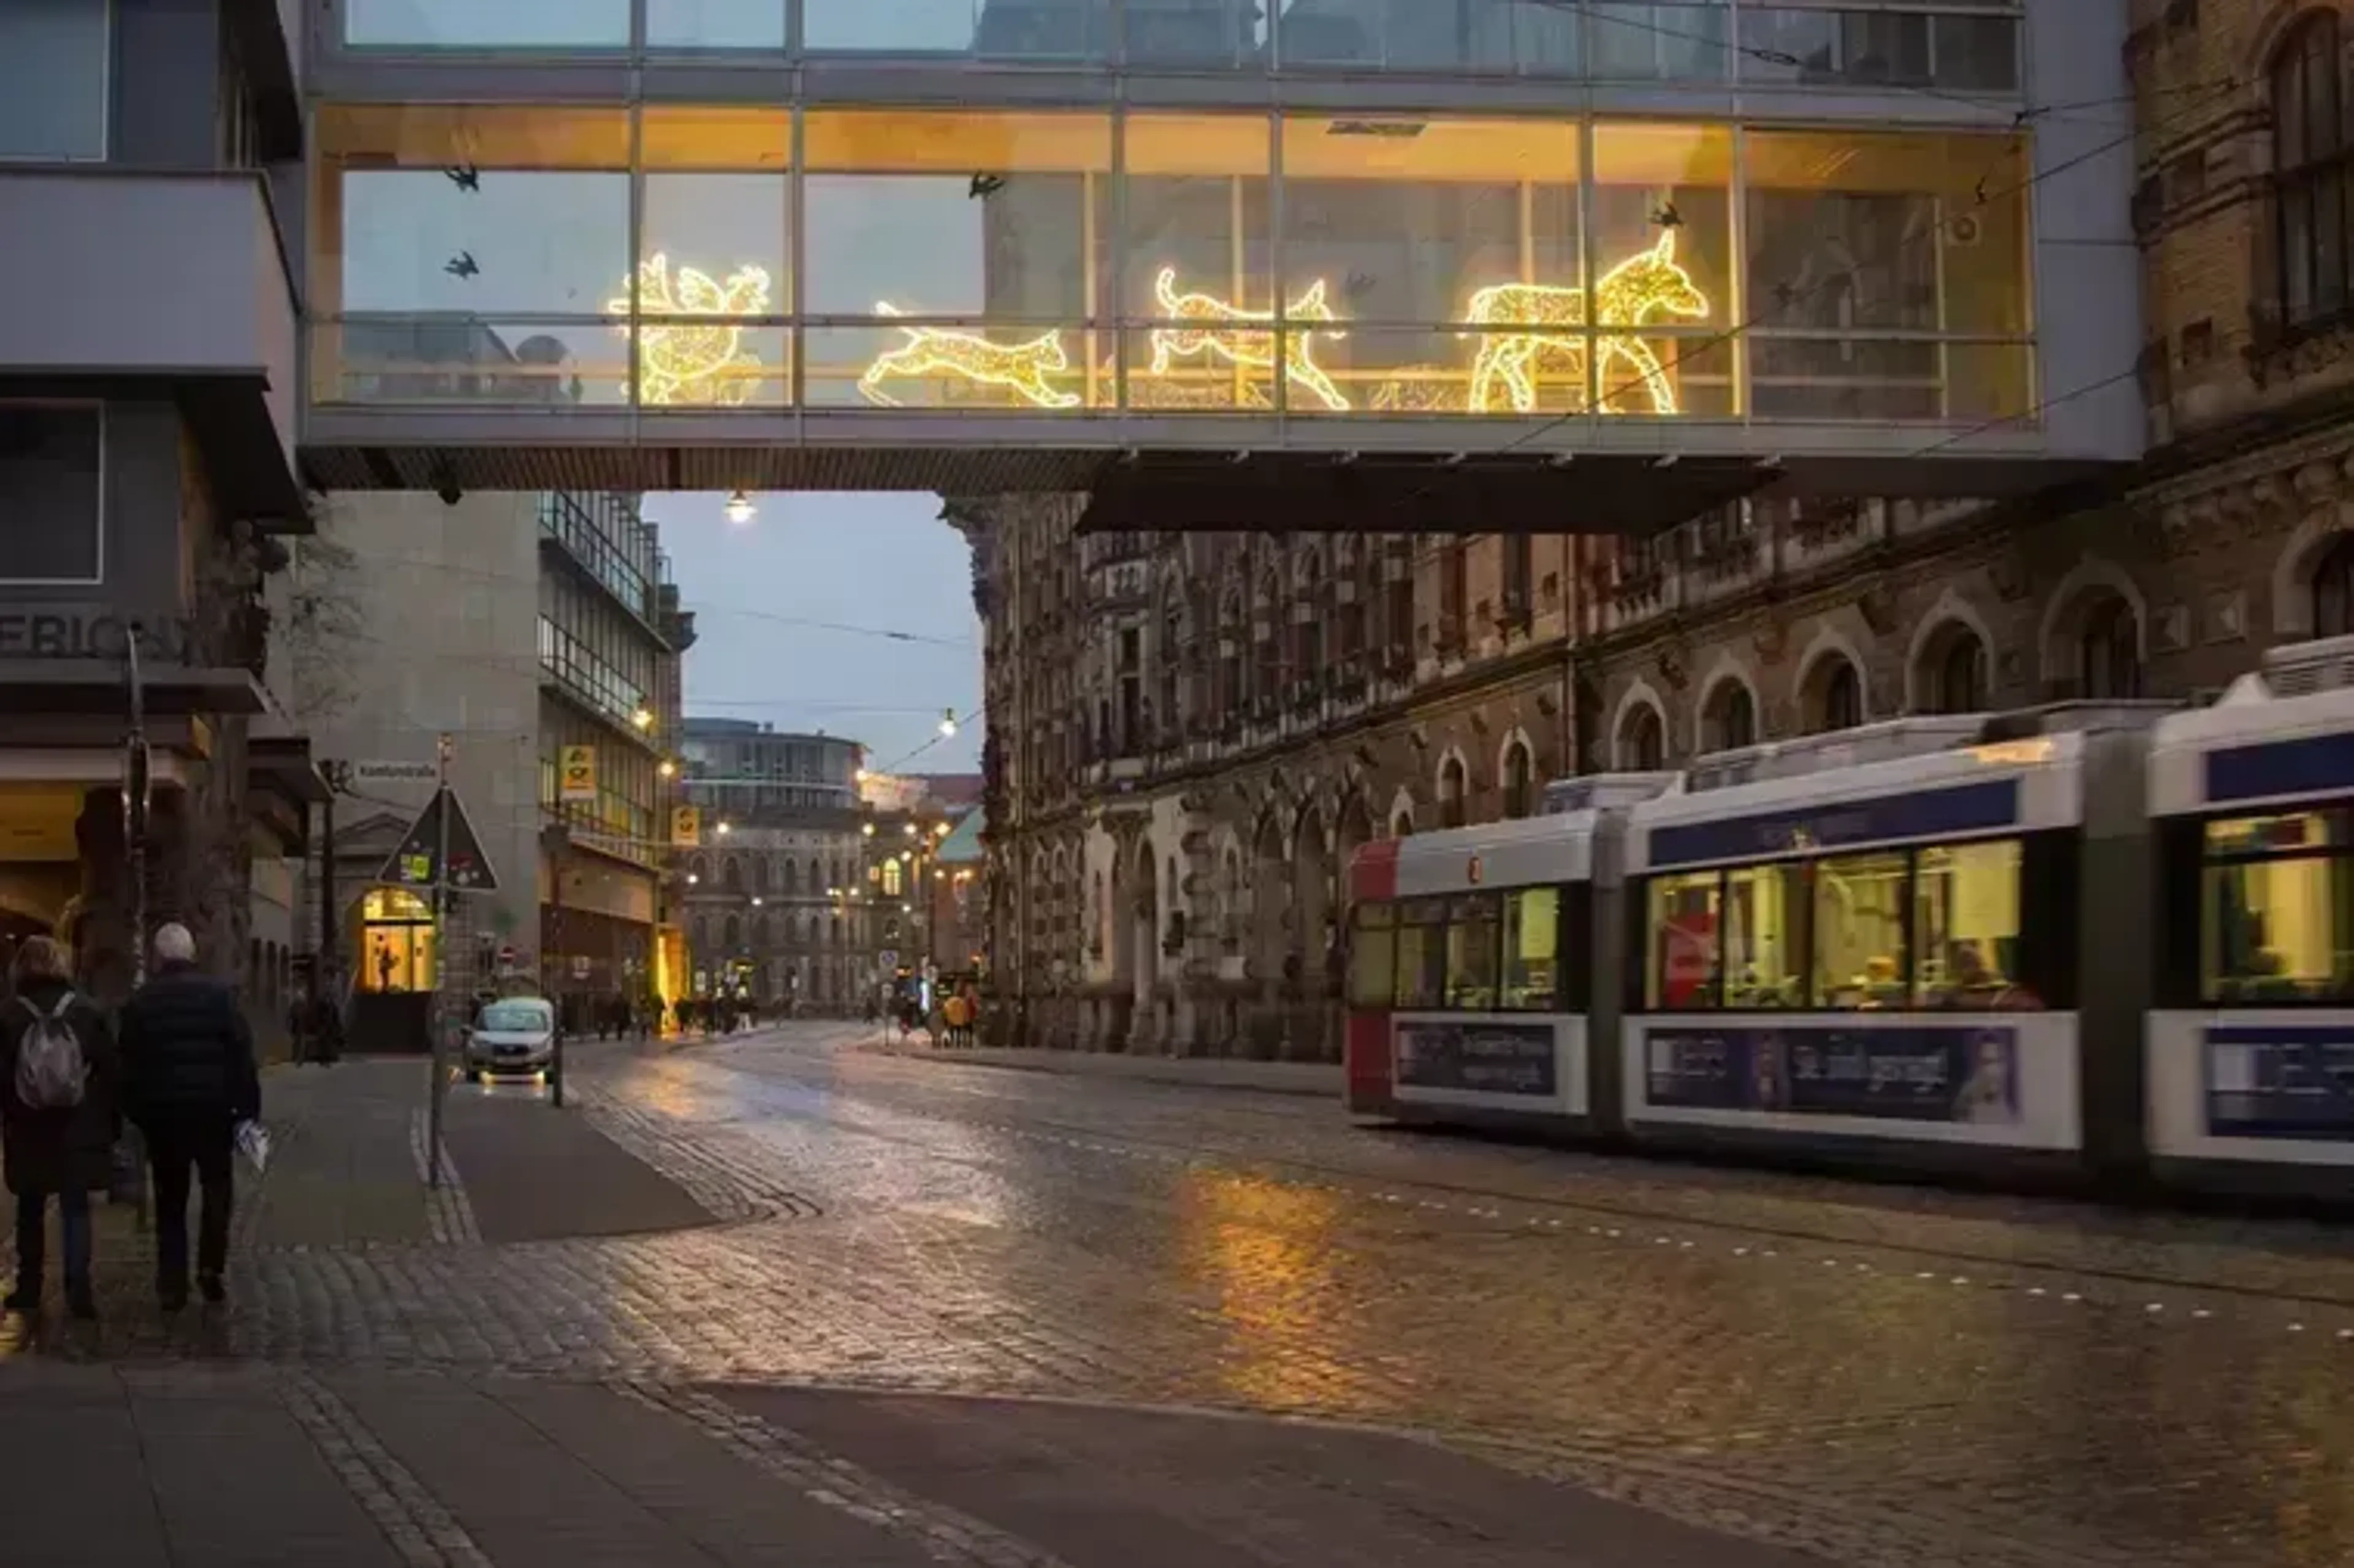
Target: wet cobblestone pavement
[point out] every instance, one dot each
(1878, 1375)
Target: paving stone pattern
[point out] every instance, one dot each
(1871, 1375)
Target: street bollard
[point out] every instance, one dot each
(556, 1072)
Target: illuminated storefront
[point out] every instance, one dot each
(1157, 263)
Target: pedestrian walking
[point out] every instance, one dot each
(188, 1080)
(59, 1078)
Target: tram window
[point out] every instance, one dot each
(1531, 949)
(2277, 902)
(1684, 916)
(1472, 951)
(1373, 957)
(1966, 925)
(1766, 911)
(1421, 953)
(1859, 930)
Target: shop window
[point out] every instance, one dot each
(50, 459)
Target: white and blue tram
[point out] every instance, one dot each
(2106, 944)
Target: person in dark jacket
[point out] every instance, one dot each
(63, 1151)
(189, 1079)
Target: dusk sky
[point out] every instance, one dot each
(885, 562)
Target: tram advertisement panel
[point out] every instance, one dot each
(1905, 1073)
(1479, 1058)
(2281, 1081)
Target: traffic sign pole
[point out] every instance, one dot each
(439, 1094)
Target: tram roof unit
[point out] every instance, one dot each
(1904, 782)
(2283, 734)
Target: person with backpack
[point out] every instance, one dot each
(189, 1079)
(58, 1116)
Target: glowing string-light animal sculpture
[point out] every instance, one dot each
(1645, 286)
(1021, 368)
(1252, 349)
(693, 362)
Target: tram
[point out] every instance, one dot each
(2103, 945)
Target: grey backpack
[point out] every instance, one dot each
(50, 1072)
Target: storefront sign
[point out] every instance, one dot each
(2281, 1081)
(1482, 1058)
(70, 631)
(1928, 1072)
(686, 827)
(577, 771)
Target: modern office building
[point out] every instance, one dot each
(538, 633)
(768, 906)
(149, 409)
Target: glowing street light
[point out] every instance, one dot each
(692, 878)
(643, 718)
(739, 508)
(947, 723)
(667, 768)
(911, 829)
(727, 827)
(756, 900)
(868, 828)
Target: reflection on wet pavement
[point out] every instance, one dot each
(1879, 1374)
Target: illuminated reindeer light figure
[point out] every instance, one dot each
(1645, 285)
(1252, 349)
(688, 361)
(1021, 368)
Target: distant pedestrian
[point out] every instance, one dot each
(59, 1078)
(189, 1079)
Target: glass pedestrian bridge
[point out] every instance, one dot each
(1013, 244)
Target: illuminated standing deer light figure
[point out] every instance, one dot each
(1021, 368)
(1253, 350)
(1644, 286)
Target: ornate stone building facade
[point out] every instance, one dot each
(1189, 735)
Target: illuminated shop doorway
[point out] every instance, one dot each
(396, 942)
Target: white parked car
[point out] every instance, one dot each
(512, 1034)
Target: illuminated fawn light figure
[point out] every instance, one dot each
(693, 362)
(1021, 368)
(1252, 349)
(1645, 285)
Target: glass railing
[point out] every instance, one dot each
(1957, 44)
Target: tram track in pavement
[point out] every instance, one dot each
(1606, 1218)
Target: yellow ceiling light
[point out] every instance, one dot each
(693, 363)
(1252, 349)
(1021, 368)
(1645, 285)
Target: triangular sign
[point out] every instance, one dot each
(414, 862)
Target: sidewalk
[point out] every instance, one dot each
(233, 1467)
(1321, 1079)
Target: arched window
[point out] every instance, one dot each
(2333, 589)
(2310, 158)
(759, 875)
(1838, 695)
(1453, 783)
(2109, 651)
(761, 932)
(1642, 740)
(1730, 720)
(891, 884)
(1519, 774)
(816, 875)
(1957, 682)
(789, 880)
(731, 875)
(734, 936)
(1402, 824)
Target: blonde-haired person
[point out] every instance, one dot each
(60, 1134)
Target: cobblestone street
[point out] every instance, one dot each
(1869, 1375)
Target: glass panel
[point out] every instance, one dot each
(1414, 223)
(1660, 258)
(715, 242)
(50, 462)
(2279, 930)
(1879, 49)
(1671, 42)
(1472, 951)
(1965, 920)
(1373, 957)
(1862, 250)
(1427, 35)
(1422, 954)
(470, 253)
(1859, 936)
(2237, 836)
(476, 25)
(1532, 948)
(685, 25)
(1766, 913)
(1226, 33)
(55, 68)
(1198, 262)
(1684, 959)
(998, 29)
